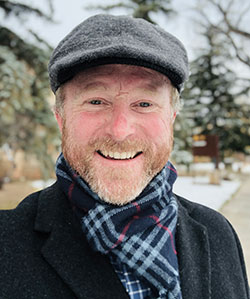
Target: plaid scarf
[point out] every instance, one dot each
(140, 234)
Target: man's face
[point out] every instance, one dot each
(117, 128)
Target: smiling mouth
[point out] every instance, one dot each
(119, 156)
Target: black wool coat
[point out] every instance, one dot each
(44, 254)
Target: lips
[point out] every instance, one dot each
(119, 155)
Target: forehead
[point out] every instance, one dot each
(126, 72)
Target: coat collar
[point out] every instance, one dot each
(67, 251)
(193, 254)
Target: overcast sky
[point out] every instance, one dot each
(72, 12)
(69, 13)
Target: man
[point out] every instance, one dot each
(111, 227)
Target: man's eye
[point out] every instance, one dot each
(143, 107)
(95, 102)
(145, 104)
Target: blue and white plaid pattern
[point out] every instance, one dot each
(134, 287)
(139, 234)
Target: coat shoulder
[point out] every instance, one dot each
(24, 210)
(23, 214)
(223, 240)
(202, 214)
(223, 246)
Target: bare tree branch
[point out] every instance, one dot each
(238, 31)
(231, 27)
(241, 16)
(17, 8)
(110, 7)
(228, 28)
(245, 60)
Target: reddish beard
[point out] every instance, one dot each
(115, 185)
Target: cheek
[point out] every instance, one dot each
(158, 129)
(86, 126)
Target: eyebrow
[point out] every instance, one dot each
(149, 86)
(91, 84)
(88, 86)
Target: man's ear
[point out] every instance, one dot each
(59, 120)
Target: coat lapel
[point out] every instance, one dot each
(89, 275)
(193, 256)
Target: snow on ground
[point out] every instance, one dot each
(40, 184)
(198, 190)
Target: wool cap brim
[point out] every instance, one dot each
(107, 39)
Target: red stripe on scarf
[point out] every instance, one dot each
(123, 234)
(157, 220)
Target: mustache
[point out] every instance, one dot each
(109, 144)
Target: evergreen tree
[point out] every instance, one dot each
(216, 99)
(26, 122)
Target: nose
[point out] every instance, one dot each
(121, 123)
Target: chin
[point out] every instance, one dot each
(121, 191)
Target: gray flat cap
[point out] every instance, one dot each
(107, 39)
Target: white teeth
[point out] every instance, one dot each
(119, 156)
(123, 156)
(105, 153)
(128, 155)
